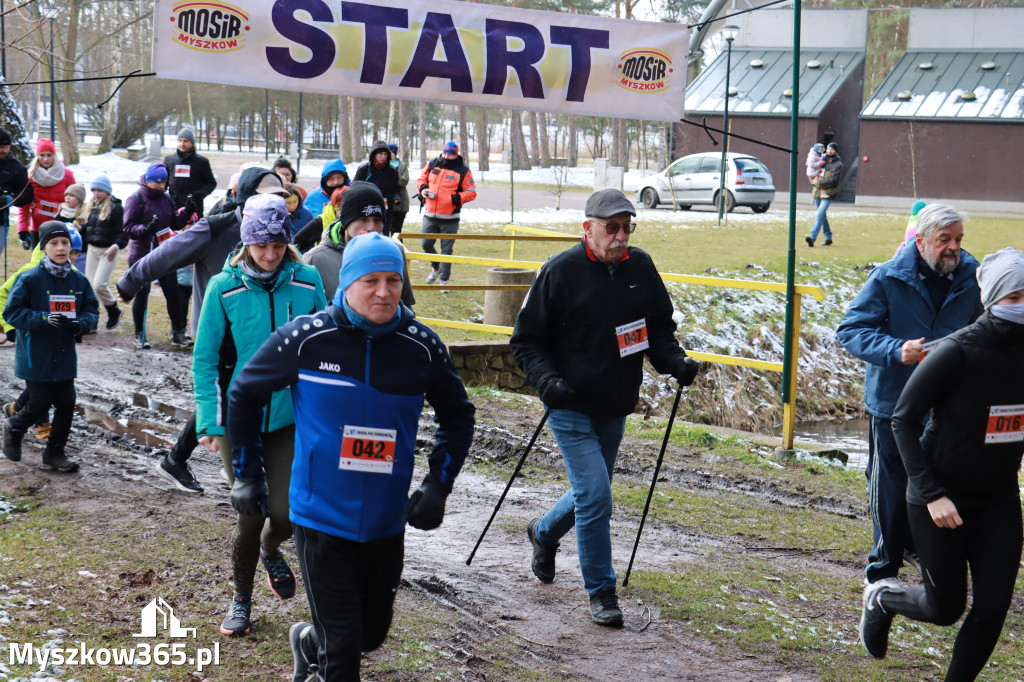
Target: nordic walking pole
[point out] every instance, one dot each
(529, 446)
(654, 481)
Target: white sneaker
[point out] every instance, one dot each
(432, 277)
(443, 283)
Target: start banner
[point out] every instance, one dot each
(431, 50)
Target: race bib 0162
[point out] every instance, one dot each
(368, 449)
(1005, 424)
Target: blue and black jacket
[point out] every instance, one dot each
(339, 377)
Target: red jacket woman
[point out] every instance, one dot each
(49, 179)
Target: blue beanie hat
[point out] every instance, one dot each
(366, 253)
(76, 237)
(156, 173)
(101, 182)
(393, 148)
(916, 208)
(451, 147)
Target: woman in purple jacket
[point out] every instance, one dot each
(149, 221)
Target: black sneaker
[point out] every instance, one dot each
(280, 578)
(236, 622)
(11, 441)
(828, 242)
(543, 555)
(180, 476)
(58, 462)
(604, 608)
(300, 638)
(114, 317)
(874, 621)
(810, 242)
(141, 343)
(180, 339)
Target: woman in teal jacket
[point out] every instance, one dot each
(263, 286)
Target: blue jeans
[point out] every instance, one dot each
(589, 447)
(887, 497)
(821, 218)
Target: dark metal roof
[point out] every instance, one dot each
(938, 92)
(760, 90)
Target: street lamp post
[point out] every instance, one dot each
(50, 14)
(729, 33)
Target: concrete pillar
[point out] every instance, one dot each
(502, 305)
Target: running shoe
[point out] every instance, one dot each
(236, 622)
(604, 608)
(874, 620)
(181, 476)
(280, 578)
(300, 639)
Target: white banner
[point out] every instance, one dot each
(436, 50)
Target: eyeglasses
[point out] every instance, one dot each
(615, 228)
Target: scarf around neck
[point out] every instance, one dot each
(48, 177)
(371, 329)
(264, 278)
(61, 271)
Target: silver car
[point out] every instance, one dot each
(695, 180)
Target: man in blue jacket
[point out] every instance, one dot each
(333, 176)
(359, 372)
(918, 297)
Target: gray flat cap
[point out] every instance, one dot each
(607, 203)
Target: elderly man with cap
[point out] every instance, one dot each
(191, 178)
(922, 294)
(594, 311)
(207, 244)
(963, 495)
(445, 185)
(359, 373)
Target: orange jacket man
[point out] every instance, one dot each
(445, 184)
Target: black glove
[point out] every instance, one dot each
(556, 394)
(685, 370)
(6, 200)
(250, 497)
(426, 506)
(154, 226)
(190, 206)
(457, 201)
(12, 335)
(26, 240)
(57, 320)
(76, 327)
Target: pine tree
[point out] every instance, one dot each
(10, 120)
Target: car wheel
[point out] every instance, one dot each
(730, 201)
(760, 208)
(684, 207)
(649, 198)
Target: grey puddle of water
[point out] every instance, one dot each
(850, 436)
(144, 433)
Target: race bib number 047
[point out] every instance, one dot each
(367, 449)
(632, 337)
(1005, 424)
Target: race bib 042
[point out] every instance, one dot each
(632, 337)
(368, 449)
(1005, 424)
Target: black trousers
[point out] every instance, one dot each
(351, 590)
(169, 285)
(989, 543)
(41, 395)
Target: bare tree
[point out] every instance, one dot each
(573, 154)
(344, 125)
(483, 139)
(423, 133)
(520, 157)
(545, 146)
(534, 139)
(463, 133)
(357, 129)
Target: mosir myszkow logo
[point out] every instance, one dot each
(644, 70)
(209, 26)
(157, 617)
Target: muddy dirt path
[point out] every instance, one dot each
(133, 403)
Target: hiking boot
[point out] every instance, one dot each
(432, 277)
(604, 608)
(280, 578)
(10, 409)
(874, 621)
(810, 242)
(828, 242)
(180, 476)
(114, 317)
(543, 555)
(43, 431)
(11, 441)
(912, 559)
(141, 343)
(58, 462)
(300, 639)
(236, 622)
(180, 339)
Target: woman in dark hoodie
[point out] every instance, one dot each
(380, 172)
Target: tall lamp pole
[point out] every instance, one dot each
(3, 43)
(729, 33)
(50, 14)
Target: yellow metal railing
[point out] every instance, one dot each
(532, 234)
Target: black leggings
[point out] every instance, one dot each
(41, 395)
(989, 542)
(169, 285)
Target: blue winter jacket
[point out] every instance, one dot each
(340, 378)
(894, 307)
(43, 352)
(316, 200)
(238, 315)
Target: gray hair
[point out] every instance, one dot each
(934, 217)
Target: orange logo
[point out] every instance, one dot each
(644, 70)
(209, 26)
